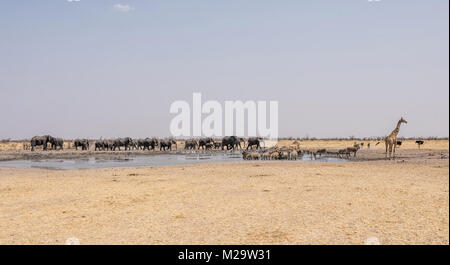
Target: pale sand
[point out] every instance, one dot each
(234, 203)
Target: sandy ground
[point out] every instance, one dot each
(405, 201)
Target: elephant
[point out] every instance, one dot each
(238, 143)
(104, 145)
(163, 144)
(217, 145)
(40, 140)
(190, 144)
(126, 142)
(254, 141)
(110, 144)
(83, 143)
(231, 142)
(57, 142)
(147, 143)
(101, 145)
(140, 144)
(204, 142)
(209, 146)
(134, 145)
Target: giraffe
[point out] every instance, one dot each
(391, 139)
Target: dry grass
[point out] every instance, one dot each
(234, 203)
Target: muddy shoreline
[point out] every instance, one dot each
(41, 155)
(362, 155)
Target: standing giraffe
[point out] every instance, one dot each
(391, 139)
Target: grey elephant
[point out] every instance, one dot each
(254, 141)
(83, 143)
(167, 144)
(154, 142)
(40, 140)
(125, 142)
(57, 142)
(109, 144)
(101, 145)
(231, 142)
(217, 145)
(134, 145)
(147, 143)
(140, 144)
(190, 144)
(203, 143)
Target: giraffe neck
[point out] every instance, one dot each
(394, 133)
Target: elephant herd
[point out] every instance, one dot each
(127, 143)
(226, 143)
(134, 144)
(105, 145)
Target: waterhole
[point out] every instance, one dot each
(140, 160)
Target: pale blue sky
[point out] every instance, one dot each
(337, 68)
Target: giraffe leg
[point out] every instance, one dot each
(386, 143)
(390, 151)
(395, 146)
